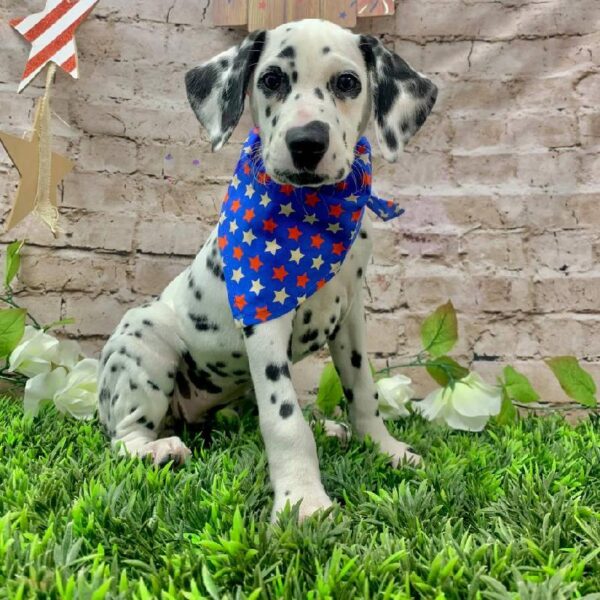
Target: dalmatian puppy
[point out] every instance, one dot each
(182, 355)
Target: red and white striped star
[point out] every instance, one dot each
(52, 36)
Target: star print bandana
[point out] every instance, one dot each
(280, 243)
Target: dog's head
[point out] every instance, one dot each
(313, 87)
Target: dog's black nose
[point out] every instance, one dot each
(308, 144)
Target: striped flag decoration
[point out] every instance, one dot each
(52, 36)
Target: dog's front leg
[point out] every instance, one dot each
(290, 445)
(348, 350)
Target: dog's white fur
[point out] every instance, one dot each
(182, 355)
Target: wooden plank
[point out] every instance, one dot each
(232, 13)
(302, 9)
(375, 8)
(265, 14)
(342, 12)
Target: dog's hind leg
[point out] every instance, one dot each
(138, 370)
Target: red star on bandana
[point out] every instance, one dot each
(256, 263)
(262, 313)
(279, 273)
(294, 233)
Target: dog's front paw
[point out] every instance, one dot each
(165, 450)
(312, 500)
(399, 452)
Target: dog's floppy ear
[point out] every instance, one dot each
(217, 89)
(402, 98)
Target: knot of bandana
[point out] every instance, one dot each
(281, 243)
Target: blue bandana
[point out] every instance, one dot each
(280, 243)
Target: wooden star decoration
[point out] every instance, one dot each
(25, 156)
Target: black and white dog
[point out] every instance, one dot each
(182, 354)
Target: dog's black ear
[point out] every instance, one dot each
(217, 89)
(402, 98)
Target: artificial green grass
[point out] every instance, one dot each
(513, 512)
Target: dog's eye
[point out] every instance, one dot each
(272, 80)
(347, 83)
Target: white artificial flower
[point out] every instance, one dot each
(42, 388)
(73, 392)
(394, 393)
(68, 353)
(467, 407)
(79, 395)
(34, 354)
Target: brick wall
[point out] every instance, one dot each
(500, 187)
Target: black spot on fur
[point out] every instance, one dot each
(239, 372)
(215, 268)
(150, 425)
(147, 322)
(310, 335)
(153, 385)
(332, 319)
(198, 295)
(390, 137)
(249, 330)
(314, 347)
(326, 49)
(337, 299)
(274, 372)
(236, 354)
(287, 52)
(286, 410)
(184, 387)
(171, 374)
(297, 97)
(359, 273)
(104, 395)
(334, 333)
(307, 316)
(274, 121)
(199, 377)
(142, 420)
(363, 234)
(377, 413)
(114, 368)
(319, 94)
(376, 396)
(289, 348)
(132, 386)
(216, 370)
(356, 359)
(138, 334)
(201, 323)
(349, 395)
(268, 112)
(273, 398)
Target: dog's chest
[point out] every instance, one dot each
(214, 370)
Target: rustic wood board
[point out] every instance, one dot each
(342, 12)
(265, 14)
(230, 12)
(302, 9)
(375, 8)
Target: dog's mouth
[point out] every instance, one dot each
(299, 178)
